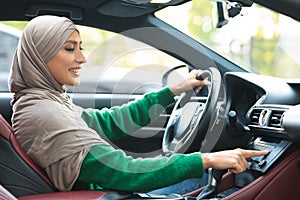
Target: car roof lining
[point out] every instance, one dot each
(122, 12)
(111, 8)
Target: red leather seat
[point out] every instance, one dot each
(74, 195)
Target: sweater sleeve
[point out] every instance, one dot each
(116, 122)
(107, 168)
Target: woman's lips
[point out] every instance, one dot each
(74, 71)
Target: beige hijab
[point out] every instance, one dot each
(46, 122)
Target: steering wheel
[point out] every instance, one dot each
(190, 119)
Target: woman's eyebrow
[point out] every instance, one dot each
(73, 41)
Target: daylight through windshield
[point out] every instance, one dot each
(258, 39)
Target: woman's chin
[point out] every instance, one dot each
(74, 83)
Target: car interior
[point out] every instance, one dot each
(240, 109)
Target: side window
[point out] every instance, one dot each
(116, 64)
(9, 38)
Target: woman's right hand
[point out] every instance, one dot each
(235, 160)
(190, 83)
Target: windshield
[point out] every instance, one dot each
(258, 39)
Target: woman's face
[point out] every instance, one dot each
(66, 63)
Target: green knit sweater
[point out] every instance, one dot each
(107, 168)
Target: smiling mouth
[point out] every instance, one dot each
(74, 71)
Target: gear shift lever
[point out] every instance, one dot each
(214, 180)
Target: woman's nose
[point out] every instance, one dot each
(81, 57)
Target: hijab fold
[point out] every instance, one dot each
(46, 122)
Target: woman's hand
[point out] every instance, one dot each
(189, 83)
(234, 160)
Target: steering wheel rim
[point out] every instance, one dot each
(190, 120)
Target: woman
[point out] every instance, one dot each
(69, 142)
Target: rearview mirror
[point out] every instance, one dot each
(223, 10)
(220, 14)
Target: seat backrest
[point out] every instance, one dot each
(18, 173)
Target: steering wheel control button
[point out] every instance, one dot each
(194, 120)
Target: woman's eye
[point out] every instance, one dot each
(69, 49)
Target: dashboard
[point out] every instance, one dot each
(268, 110)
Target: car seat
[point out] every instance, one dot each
(22, 179)
(18, 173)
(74, 195)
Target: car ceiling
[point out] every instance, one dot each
(79, 8)
(124, 14)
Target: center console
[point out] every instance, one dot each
(273, 176)
(268, 125)
(276, 147)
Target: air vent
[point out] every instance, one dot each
(275, 119)
(266, 118)
(254, 117)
